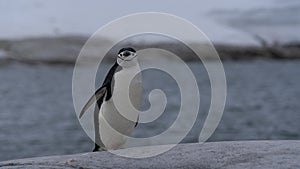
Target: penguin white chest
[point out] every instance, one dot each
(119, 115)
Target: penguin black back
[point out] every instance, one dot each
(108, 84)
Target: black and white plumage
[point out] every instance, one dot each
(112, 125)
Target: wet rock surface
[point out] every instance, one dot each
(239, 154)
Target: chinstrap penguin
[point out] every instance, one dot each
(111, 125)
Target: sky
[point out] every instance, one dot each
(216, 18)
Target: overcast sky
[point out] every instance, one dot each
(27, 18)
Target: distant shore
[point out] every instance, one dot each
(64, 50)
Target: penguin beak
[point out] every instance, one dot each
(126, 53)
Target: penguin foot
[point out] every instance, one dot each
(95, 149)
(98, 148)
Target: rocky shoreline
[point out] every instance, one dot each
(64, 50)
(234, 154)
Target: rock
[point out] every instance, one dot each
(64, 50)
(3, 54)
(47, 50)
(236, 154)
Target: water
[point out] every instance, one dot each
(37, 117)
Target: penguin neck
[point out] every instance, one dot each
(129, 64)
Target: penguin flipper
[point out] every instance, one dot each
(137, 122)
(98, 94)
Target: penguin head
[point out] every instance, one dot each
(126, 55)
